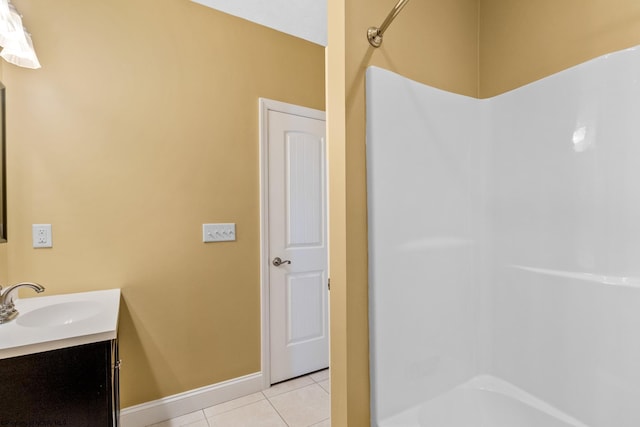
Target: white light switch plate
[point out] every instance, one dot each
(42, 235)
(218, 232)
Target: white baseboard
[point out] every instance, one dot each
(190, 401)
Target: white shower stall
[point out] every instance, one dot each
(504, 251)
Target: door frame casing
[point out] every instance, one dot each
(266, 105)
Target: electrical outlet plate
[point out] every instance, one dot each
(218, 232)
(42, 236)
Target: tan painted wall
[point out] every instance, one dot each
(523, 41)
(431, 41)
(141, 126)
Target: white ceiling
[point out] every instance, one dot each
(306, 19)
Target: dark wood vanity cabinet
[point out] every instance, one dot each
(73, 387)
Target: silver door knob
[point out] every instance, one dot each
(277, 261)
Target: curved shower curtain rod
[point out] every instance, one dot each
(374, 34)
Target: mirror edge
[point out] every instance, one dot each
(3, 166)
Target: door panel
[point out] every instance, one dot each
(305, 320)
(305, 181)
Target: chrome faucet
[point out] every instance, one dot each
(7, 308)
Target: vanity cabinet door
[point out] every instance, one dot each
(75, 386)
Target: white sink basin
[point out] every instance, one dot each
(51, 322)
(64, 313)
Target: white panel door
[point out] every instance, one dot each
(299, 327)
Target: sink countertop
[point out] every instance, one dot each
(17, 339)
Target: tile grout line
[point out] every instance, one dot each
(300, 388)
(232, 409)
(289, 391)
(206, 419)
(278, 412)
(321, 421)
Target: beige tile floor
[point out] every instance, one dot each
(301, 402)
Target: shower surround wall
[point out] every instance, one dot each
(504, 239)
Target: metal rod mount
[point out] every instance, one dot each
(374, 34)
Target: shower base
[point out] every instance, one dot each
(484, 401)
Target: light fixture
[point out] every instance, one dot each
(17, 47)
